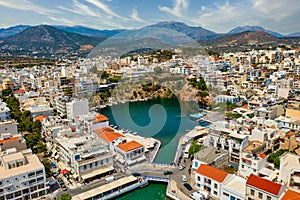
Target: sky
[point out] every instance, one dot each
(216, 15)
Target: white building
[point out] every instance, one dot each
(86, 156)
(226, 98)
(22, 176)
(234, 188)
(211, 179)
(4, 111)
(289, 170)
(9, 127)
(91, 121)
(131, 152)
(232, 142)
(251, 164)
(260, 188)
(77, 107)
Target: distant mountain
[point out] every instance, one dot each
(90, 31)
(241, 29)
(196, 33)
(7, 32)
(297, 34)
(48, 37)
(249, 40)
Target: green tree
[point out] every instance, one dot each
(41, 147)
(47, 164)
(32, 140)
(195, 147)
(65, 197)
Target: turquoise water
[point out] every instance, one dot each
(151, 192)
(163, 119)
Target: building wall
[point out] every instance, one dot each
(77, 107)
(9, 127)
(204, 183)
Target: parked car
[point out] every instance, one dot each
(54, 174)
(183, 178)
(53, 165)
(64, 188)
(135, 174)
(181, 167)
(187, 186)
(168, 172)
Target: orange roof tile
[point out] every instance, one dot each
(129, 146)
(245, 106)
(211, 172)
(100, 118)
(20, 91)
(41, 118)
(263, 184)
(9, 140)
(262, 155)
(109, 136)
(100, 130)
(291, 195)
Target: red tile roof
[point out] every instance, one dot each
(212, 173)
(101, 130)
(40, 118)
(129, 146)
(109, 136)
(263, 184)
(9, 140)
(262, 155)
(291, 195)
(100, 118)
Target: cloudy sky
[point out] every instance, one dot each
(216, 15)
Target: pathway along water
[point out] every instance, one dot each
(163, 119)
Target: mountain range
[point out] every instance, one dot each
(49, 40)
(193, 32)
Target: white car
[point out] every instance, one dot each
(181, 167)
(183, 178)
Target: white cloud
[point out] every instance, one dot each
(81, 9)
(105, 8)
(135, 16)
(64, 21)
(25, 5)
(178, 8)
(277, 9)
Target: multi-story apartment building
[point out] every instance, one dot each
(228, 140)
(61, 105)
(251, 163)
(77, 107)
(131, 152)
(22, 176)
(7, 141)
(85, 155)
(289, 171)
(91, 122)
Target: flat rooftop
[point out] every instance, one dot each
(209, 154)
(236, 184)
(33, 164)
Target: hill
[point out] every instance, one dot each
(90, 31)
(10, 31)
(249, 40)
(47, 39)
(241, 29)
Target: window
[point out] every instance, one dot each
(260, 195)
(252, 192)
(31, 174)
(269, 198)
(225, 194)
(39, 172)
(216, 186)
(232, 198)
(32, 181)
(198, 179)
(215, 193)
(40, 179)
(91, 165)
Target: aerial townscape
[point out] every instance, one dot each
(144, 107)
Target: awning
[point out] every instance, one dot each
(97, 172)
(142, 158)
(64, 171)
